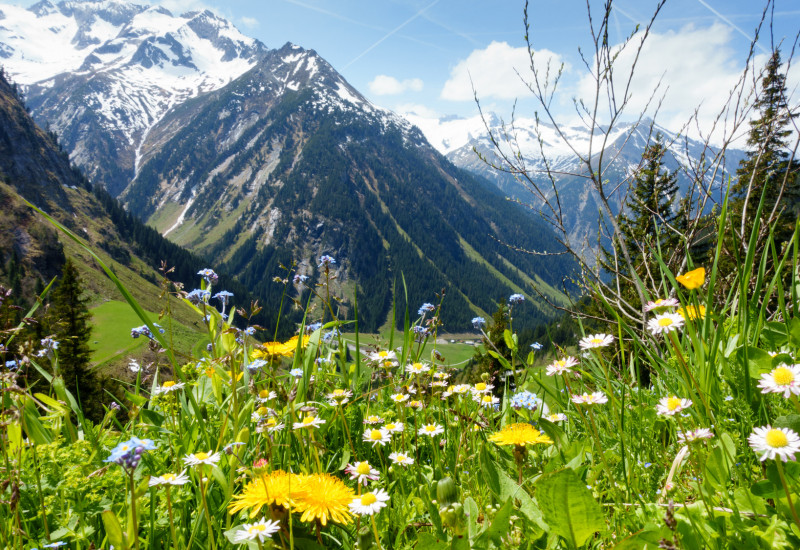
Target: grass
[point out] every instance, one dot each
(456, 354)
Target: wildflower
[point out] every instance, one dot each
(482, 387)
(441, 375)
(223, 296)
(198, 296)
(421, 332)
(369, 503)
(439, 384)
(250, 331)
(775, 443)
(536, 346)
(670, 406)
(431, 429)
(339, 397)
(49, 346)
(377, 437)
(297, 373)
(693, 279)
(308, 421)
(128, 453)
(373, 419)
(325, 497)
(362, 472)
(527, 400)
(783, 379)
(143, 330)
(393, 427)
(168, 387)
(478, 322)
(595, 398)
(417, 368)
(201, 458)
(278, 489)
(560, 366)
(299, 279)
(399, 397)
(401, 458)
(555, 417)
(461, 389)
(57, 544)
(382, 355)
(487, 400)
(313, 327)
(209, 276)
(260, 531)
(415, 404)
(326, 261)
(666, 322)
(596, 341)
(661, 303)
(694, 435)
(692, 312)
(425, 308)
(516, 299)
(12, 364)
(271, 425)
(330, 335)
(169, 479)
(519, 434)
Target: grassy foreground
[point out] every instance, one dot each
(312, 444)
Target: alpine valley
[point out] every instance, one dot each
(257, 158)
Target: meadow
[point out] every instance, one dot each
(681, 433)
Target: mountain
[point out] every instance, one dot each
(285, 163)
(120, 67)
(459, 139)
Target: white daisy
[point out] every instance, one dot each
(694, 435)
(461, 389)
(308, 421)
(555, 417)
(417, 368)
(487, 400)
(339, 397)
(382, 356)
(775, 443)
(373, 419)
(362, 472)
(169, 479)
(271, 425)
(264, 396)
(595, 398)
(431, 429)
(393, 427)
(670, 406)
(661, 303)
(401, 458)
(482, 387)
(369, 503)
(201, 458)
(665, 322)
(377, 437)
(439, 384)
(399, 397)
(415, 404)
(783, 379)
(596, 341)
(260, 531)
(168, 387)
(441, 375)
(560, 366)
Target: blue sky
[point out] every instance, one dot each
(425, 55)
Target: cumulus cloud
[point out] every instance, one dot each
(249, 22)
(492, 72)
(389, 85)
(416, 109)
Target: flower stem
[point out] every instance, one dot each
(375, 532)
(135, 519)
(786, 490)
(171, 520)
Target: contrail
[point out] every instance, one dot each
(391, 32)
(332, 14)
(731, 24)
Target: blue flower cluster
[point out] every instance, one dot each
(527, 400)
(425, 308)
(48, 347)
(478, 322)
(326, 261)
(312, 327)
(330, 335)
(255, 365)
(536, 346)
(223, 296)
(198, 296)
(516, 299)
(128, 453)
(12, 365)
(209, 275)
(297, 279)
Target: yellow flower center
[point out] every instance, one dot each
(201, 456)
(659, 302)
(596, 340)
(168, 384)
(263, 394)
(390, 426)
(168, 477)
(383, 354)
(783, 376)
(125, 447)
(401, 458)
(272, 422)
(256, 528)
(665, 322)
(308, 420)
(430, 428)
(374, 418)
(561, 363)
(368, 499)
(363, 468)
(375, 435)
(262, 410)
(487, 398)
(673, 403)
(776, 439)
(480, 386)
(387, 364)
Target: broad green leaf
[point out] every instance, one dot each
(471, 509)
(774, 335)
(568, 507)
(114, 530)
(498, 528)
(791, 421)
(758, 361)
(794, 332)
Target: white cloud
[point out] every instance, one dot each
(249, 22)
(415, 109)
(492, 72)
(389, 85)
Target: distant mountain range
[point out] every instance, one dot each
(257, 158)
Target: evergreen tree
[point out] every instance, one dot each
(484, 363)
(767, 164)
(68, 320)
(644, 220)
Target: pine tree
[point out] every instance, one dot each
(645, 219)
(767, 164)
(68, 319)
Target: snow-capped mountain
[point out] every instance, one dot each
(101, 73)
(459, 139)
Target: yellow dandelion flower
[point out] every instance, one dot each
(279, 349)
(692, 312)
(325, 497)
(693, 279)
(278, 488)
(519, 435)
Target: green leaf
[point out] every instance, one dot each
(430, 542)
(568, 507)
(791, 421)
(794, 332)
(774, 335)
(152, 417)
(471, 509)
(138, 400)
(758, 361)
(509, 339)
(490, 471)
(498, 528)
(114, 530)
